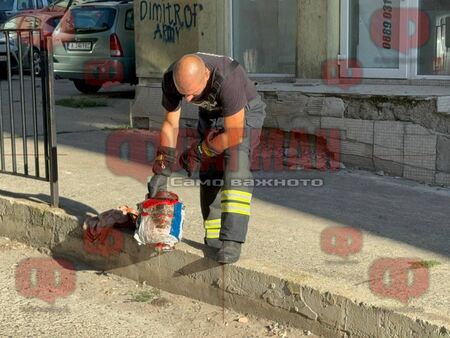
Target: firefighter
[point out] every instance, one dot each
(231, 115)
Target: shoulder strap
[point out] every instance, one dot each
(219, 79)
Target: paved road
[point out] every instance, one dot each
(99, 304)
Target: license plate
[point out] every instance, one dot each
(80, 46)
(3, 58)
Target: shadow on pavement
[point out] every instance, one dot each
(71, 207)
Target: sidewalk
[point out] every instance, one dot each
(287, 238)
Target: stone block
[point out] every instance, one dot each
(443, 104)
(284, 109)
(356, 148)
(443, 179)
(315, 105)
(357, 161)
(359, 130)
(388, 154)
(332, 123)
(389, 134)
(300, 99)
(420, 151)
(390, 167)
(416, 129)
(308, 124)
(443, 154)
(328, 106)
(419, 174)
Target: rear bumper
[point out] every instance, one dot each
(96, 71)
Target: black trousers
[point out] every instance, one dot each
(226, 180)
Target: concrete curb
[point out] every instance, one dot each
(322, 306)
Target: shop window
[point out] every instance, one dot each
(363, 37)
(434, 53)
(264, 35)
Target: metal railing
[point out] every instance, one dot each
(25, 55)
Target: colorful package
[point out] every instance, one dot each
(160, 221)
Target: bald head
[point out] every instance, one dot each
(190, 75)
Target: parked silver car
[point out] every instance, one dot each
(94, 44)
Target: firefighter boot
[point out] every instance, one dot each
(213, 243)
(229, 252)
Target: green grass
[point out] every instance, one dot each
(424, 264)
(81, 102)
(145, 296)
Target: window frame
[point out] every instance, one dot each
(130, 10)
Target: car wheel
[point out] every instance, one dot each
(85, 88)
(37, 62)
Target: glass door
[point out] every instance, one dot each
(374, 39)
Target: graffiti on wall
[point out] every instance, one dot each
(169, 18)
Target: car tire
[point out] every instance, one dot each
(37, 62)
(85, 88)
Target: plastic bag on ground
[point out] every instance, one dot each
(160, 221)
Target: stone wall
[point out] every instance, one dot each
(401, 136)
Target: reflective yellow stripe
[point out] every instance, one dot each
(236, 204)
(232, 194)
(212, 223)
(212, 233)
(246, 200)
(236, 208)
(237, 211)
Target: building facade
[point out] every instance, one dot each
(314, 62)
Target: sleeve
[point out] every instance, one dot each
(171, 98)
(233, 92)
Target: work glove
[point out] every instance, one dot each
(192, 157)
(162, 169)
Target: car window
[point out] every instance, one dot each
(53, 21)
(6, 5)
(87, 19)
(129, 20)
(25, 4)
(39, 4)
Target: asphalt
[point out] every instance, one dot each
(392, 218)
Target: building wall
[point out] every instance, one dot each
(317, 36)
(165, 30)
